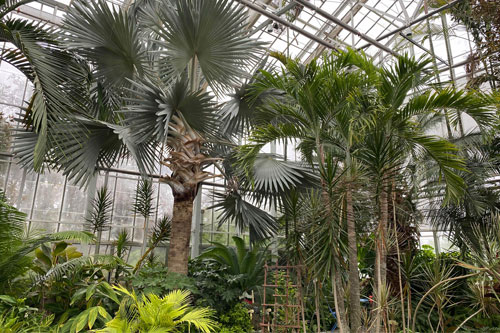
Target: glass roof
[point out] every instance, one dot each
(449, 42)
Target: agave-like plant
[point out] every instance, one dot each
(151, 313)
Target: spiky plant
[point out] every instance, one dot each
(248, 264)
(143, 205)
(99, 218)
(160, 234)
(122, 248)
(121, 244)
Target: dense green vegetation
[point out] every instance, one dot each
(144, 82)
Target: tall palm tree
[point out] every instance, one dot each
(322, 107)
(152, 69)
(405, 103)
(372, 126)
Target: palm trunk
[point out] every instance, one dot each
(340, 306)
(401, 295)
(341, 313)
(98, 242)
(381, 254)
(336, 299)
(354, 294)
(178, 253)
(316, 304)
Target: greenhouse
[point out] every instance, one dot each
(239, 166)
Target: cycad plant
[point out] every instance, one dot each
(247, 264)
(151, 313)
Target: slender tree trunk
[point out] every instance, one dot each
(341, 314)
(98, 242)
(401, 295)
(354, 294)
(316, 304)
(336, 299)
(178, 252)
(145, 235)
(381, 254)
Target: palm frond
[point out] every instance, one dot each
(235, 208)
(208, 33)
(149, 112)
(72, 265)
(108, 38)
(201, 318)
(161, 230)
(57, 93)
(8, 6)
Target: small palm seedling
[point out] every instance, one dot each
(121, 250)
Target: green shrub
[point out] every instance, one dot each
(216, 286)
(237, 320)
(159, 281)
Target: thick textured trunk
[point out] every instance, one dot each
(381, 255)
(178, 252)
(354, 294)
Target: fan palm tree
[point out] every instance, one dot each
(151, 68)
